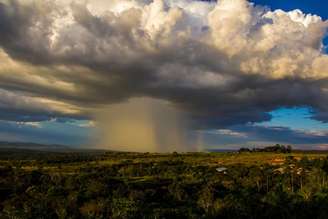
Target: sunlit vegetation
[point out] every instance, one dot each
(99, 184)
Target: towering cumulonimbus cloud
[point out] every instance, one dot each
(224, 63)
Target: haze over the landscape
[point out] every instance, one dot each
(164, 75)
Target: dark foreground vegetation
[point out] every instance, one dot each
(130, 185)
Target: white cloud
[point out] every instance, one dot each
(227, 132)
(316, 133)
(31, 124)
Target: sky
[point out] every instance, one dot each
(204, 74)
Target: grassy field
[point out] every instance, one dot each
(70, 162)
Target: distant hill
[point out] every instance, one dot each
(221, 150)
(33, 146)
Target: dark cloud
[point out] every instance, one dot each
(255, 135)
(284, 134)
(221, 68)
(25, 132)
(25, 29)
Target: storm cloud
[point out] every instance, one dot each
(224, 63)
